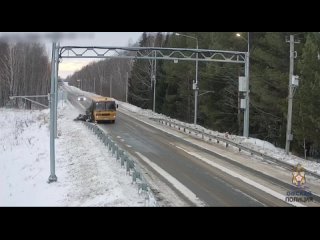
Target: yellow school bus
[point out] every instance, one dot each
(102, 109)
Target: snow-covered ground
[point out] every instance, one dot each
(87, 173)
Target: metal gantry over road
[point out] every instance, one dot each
(147, 53)
(182, 54)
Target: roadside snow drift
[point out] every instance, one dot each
(87, 173)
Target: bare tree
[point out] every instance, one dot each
(24, 70)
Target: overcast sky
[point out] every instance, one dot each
(69, 66)
(119, 39)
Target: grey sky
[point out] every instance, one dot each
(103, 38)
(119, 39)
(69, 66)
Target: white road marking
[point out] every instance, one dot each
(129, 146)
(244, 179)
(178, 185)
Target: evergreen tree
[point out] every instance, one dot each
(269, 87)
(306, 126)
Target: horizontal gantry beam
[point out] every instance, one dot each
(183, 54)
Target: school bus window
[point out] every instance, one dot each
(110, 106)
(100, 106)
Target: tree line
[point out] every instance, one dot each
(219, 109)
(24, 71)
(106, 78)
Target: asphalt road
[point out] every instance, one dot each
(209, 184)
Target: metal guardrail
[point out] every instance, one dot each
(189, 130)
(126, 160)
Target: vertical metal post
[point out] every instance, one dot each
(111, 86)
(52, 177)
(56, 89)
(62, 97)
(94, 85)
(290, 97)
(247, 110)
(127, 82)
(196, 90)
(239, 113)
(154, 81)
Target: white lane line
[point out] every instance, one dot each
(253, 199)
(178, 185)
(244, 179)
(263, 188)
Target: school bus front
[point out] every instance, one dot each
(104, 110)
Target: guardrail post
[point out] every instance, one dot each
(128, 165)
(142, 187)
(136, 175)
(124, 159)
(106, 140)
(114, 149)
(122, 154)
(109, 141)
(118, 153)
(110, 145)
